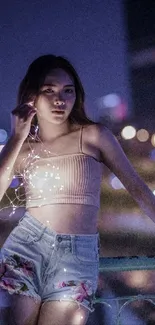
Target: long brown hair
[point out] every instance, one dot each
(34, 79)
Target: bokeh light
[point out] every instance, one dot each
(3, 135)
(111, 100)
(137, 279)
(142, 135)
(128, 132)
(1, 147)
(153, 140)
(115, 182)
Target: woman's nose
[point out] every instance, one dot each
(59, 102)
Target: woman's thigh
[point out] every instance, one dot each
(62, 312)
(18, 309)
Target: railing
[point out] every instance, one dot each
(116, 264)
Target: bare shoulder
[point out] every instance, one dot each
(98, 133)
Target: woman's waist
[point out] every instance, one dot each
(67, 218)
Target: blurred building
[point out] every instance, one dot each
(141, 46)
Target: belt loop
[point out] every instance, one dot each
(20, 220)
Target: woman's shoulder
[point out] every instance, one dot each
(96, 131)
(95, 127)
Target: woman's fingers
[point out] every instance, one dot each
(31, 114)
(24, 111)
(22, 118)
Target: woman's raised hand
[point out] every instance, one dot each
(22, 117)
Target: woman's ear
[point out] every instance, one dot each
(32, 100)
(31, 103)
(35, 101)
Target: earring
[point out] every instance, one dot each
(36, 129)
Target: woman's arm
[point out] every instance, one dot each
(115, 159)
(21, 123)
(8, 159)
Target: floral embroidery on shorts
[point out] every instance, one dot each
(81, 290)
(9, 264)
(13, 287)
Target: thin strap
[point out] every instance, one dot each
(80, 139)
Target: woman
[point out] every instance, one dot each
(50, 261)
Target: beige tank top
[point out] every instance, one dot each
(68, 179)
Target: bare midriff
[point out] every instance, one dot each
(67, 218)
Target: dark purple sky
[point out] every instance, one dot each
(90, 33)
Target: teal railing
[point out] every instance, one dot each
(120, 264)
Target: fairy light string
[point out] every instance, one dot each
(28, 175)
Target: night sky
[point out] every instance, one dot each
(91, 34)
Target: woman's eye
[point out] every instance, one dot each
(69, 91)
(48, 91)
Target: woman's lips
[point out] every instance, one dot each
(58, 112)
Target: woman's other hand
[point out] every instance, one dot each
(22, 117)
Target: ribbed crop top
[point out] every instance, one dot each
(69, 179)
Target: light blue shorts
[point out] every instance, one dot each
(46, 265)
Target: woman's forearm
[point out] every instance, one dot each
(8, 157)
(145, 199)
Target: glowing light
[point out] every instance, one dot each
(116, 183)
(3, 135)
(1, 147)
(138, 279)
(111, 100)
(153, 140)
(142, 135)
(65, 270)
(128, 132)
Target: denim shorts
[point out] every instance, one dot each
(38, 262)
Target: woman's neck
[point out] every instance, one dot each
(51, 132)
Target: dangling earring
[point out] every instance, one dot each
(36, 129)
(36, 132)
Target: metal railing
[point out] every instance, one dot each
(120, 264)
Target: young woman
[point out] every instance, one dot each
(50, 261)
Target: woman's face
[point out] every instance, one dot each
(56, 97)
